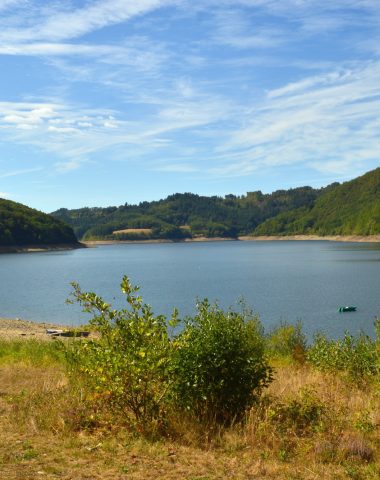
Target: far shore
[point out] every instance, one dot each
(329, 238)
(246, 238)
(40, 248)
(94, 243)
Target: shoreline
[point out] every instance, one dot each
(40, 248)
(16, 328)
(245, 238)
(19, 329)
(328, 238)
(95, 243)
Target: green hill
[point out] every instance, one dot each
(352, 208)
(21, 225)
(186, 215)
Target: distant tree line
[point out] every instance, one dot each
(352, 208)
(21, 225)
(186, 215)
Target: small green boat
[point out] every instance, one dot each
(350, 308)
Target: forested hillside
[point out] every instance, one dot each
(352, 208)
(186, 215)
(21, 225)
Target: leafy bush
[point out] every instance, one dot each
(214, 368)
(33, 351)
(129, 365)
(359, 356)
(287, 341)
(303, 414)
(220, 364)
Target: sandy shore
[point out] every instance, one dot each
(11, 328)
(246, 238)
(94, 243)
(15, 328)
(331, 238)
(40, 248)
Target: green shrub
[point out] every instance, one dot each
(220, 364)
(214, 368)
(31, 351)
(303, 414)
(129, 365)
(358, 357)
(287, 341)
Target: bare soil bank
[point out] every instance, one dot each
(14, 328)
(40, 248)
(331, 238)
(94, 243)
(246, 238)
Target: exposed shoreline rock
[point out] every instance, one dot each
(40, 248)
(15, 328)
(245, 238)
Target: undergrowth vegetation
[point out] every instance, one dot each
(213, 370)
(358, 357)
(214, 382)
(33, 351)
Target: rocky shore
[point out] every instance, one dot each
(15, 328)
(40, 248)
(246, 238)
(330, 238)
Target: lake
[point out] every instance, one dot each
(281, 281)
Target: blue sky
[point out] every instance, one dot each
(107, 102)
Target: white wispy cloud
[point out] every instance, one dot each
(68, 166)
(307, 83)
(74, 133)
(328, 122)
(176, 168)
(235, 30)
(172, 101)
(60, 24)
(15, 173)
(262, 24)
(57, 49)
(7, 4)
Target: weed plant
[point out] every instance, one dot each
(309, 423)
(220, 366)
(31, 351)
(287, 342)
(213, 370)
(357, 357)
(128, 367)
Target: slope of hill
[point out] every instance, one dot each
(352, 208)
(186, 215)
(21, 225)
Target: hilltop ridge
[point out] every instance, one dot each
(351, 208)
(21, 226)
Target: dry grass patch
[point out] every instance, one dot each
(46, 432)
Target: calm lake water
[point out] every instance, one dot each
(281, 281)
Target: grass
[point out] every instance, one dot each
(143, 231)
(309, 424)
(31, 351)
